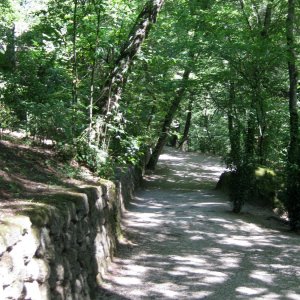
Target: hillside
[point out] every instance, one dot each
(29, 173)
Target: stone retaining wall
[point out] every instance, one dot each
(59, 248)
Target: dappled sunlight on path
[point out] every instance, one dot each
(191, 171)
(184, 242)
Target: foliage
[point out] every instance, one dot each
(54, 72)
(7, 117)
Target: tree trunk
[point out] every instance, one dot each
(92, 84)
(150, 118)
(234, 131)
(293, 181)
(260, 103)
(167, 122)
(187, 126)
(74, 50)
(113, 87)
(238, 185)
(243, 179)
(10, 54)
(267, 21)
(173, 141)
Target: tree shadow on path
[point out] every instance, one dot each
(184, 242)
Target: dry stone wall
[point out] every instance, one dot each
(60, 248)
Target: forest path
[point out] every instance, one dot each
(186, 244)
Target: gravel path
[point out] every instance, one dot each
(184, 242)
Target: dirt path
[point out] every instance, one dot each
(186, 244)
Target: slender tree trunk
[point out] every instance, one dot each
(234, 131)
(250, 134)
(113, 87)
(238, 184)
(167, 122)
(260, 103)
(150, 118)
(243, 179)
(293, 180)
(293, 77)
(187, 126)
(74, 50)
(10, 53)
(94, 64)
(257, 115)
(267, 20)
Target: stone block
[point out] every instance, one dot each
(44, 291)
(3, 245)
(67, 241)
(46, 248)
(59, 271)
(86, 226)
(16, 254)
(7, 275)
(1, 289)
(10, 234)
(14, 291)
(56, 224)
(58, 293)
(72, 212)
(37, 269)
(78, 287)
(68, 217)
(52, 278)
(68, 269)
(82, 205)
(32, 291)
(93, 193)
(68, 291)
(27, 246)
(80, 233)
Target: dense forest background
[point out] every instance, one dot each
(105, 79)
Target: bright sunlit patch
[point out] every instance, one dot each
(197, 238)
(215, 279)
(292, 295)
(207, 275)
(219, 220)
(209, 204)
(236, 241)
(167, 290)
(190, 260)
(135, 270)
(177, 273)
(280, 267)
(230, 226)
(201, 295)
(272, 296)
(170, 157)
(138, 293)
(126, 280)
(217, 251)
(247, 291)
(229, 262)
(251, 227)
(262, 276)
(215, 169)
(190, 270)
(145, 220)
